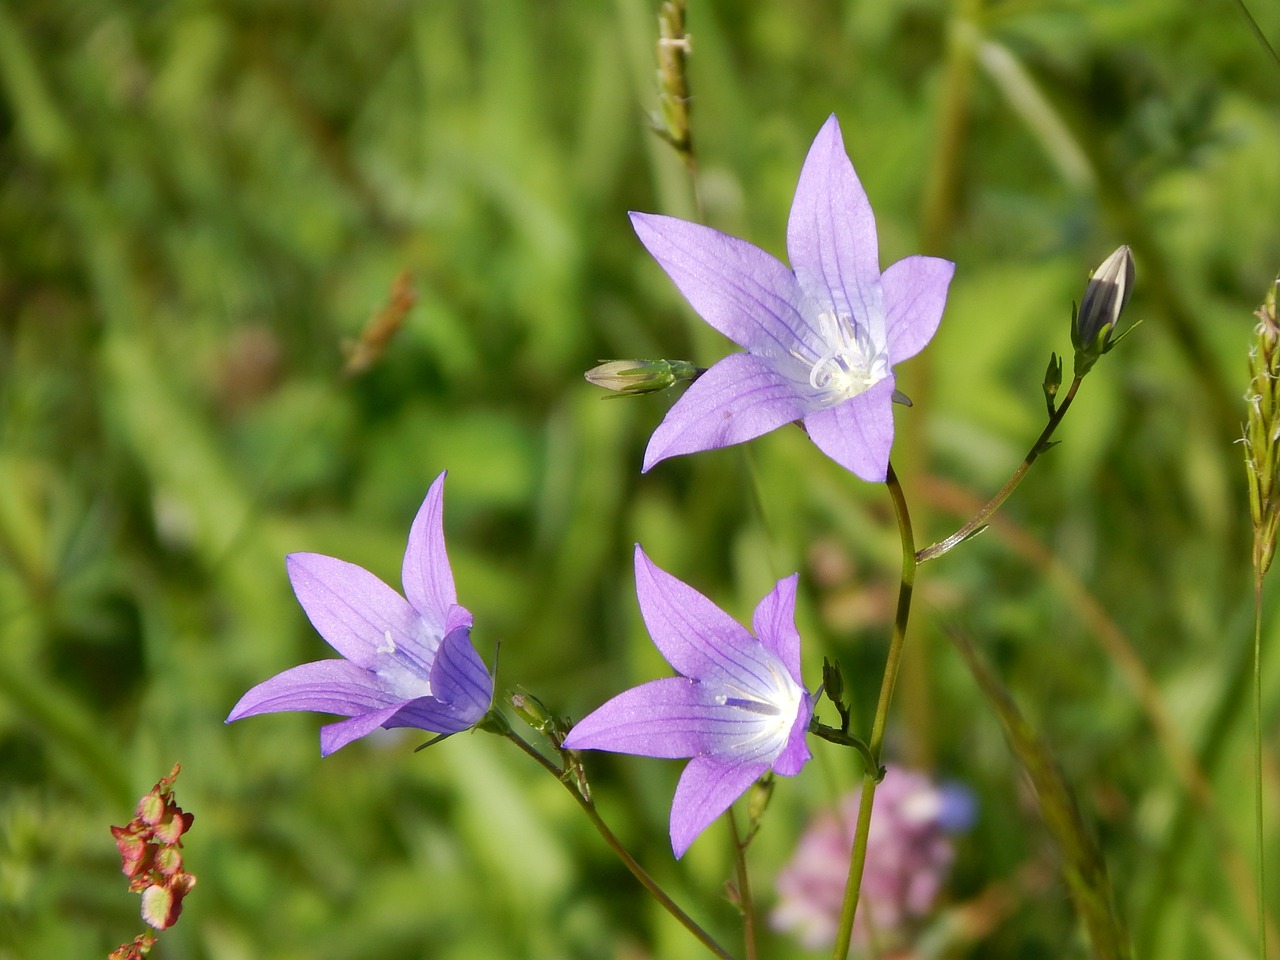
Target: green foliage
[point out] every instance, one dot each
(201, 203)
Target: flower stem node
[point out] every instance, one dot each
(634, 377)
(1093, 326)
(494, 722)
(832, 681)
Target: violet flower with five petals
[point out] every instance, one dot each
(821, 338)
(738, 709)
(405, 663)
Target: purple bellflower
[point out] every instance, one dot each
(405, 663)
(821, 338)
(738, 709)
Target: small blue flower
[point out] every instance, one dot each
(821, 338)
(738, 708)
(405, 663)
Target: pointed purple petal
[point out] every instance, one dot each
(352, 609)
(774, 624)
(433, 716)
(795, 754)
(915, 293)
(334, 736)
(748, 295)
(738, 399)
(457, 617)
(694, 635)
(858, 433)
(460, 679)
(706, 789)
(326, 686)
(831, 234)
(427, 577)
(669, 718)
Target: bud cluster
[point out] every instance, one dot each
(150, 856)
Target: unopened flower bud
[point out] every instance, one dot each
(832, 680)
(1053, 376)
(758, 798)
(532, 711)
(627, 377)
(1093, 332)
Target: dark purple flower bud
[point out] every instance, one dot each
(1093, 333)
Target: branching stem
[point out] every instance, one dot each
(980, 519)
(614, 844)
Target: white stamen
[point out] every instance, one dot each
(851, 364)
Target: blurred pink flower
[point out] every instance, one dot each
(909, 855)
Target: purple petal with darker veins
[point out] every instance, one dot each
(694, 635)
(747, 294)
(433, 716)
(738, 399)
(795, 753)
(706, 789)
(352, 609)
(915, 294)
(326, 686)
(460, 679)
(858, 433)
(335, 736)
(774, 624)
(831, 233)
(669, 718)
(427, 577)
(457, 617)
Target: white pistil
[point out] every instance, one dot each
(390, 646)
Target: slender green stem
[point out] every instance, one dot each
(745, 901)
(858, 860)
(870, 764)
(1257, 31)
(980, 519)
(589, 808)
(1257, 760)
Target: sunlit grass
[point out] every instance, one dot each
(201, 204)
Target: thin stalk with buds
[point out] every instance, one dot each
(570, 779)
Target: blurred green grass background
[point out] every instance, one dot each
(202, 201)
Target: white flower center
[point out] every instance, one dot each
(400, 671)
(851, 363)
(774, 709)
